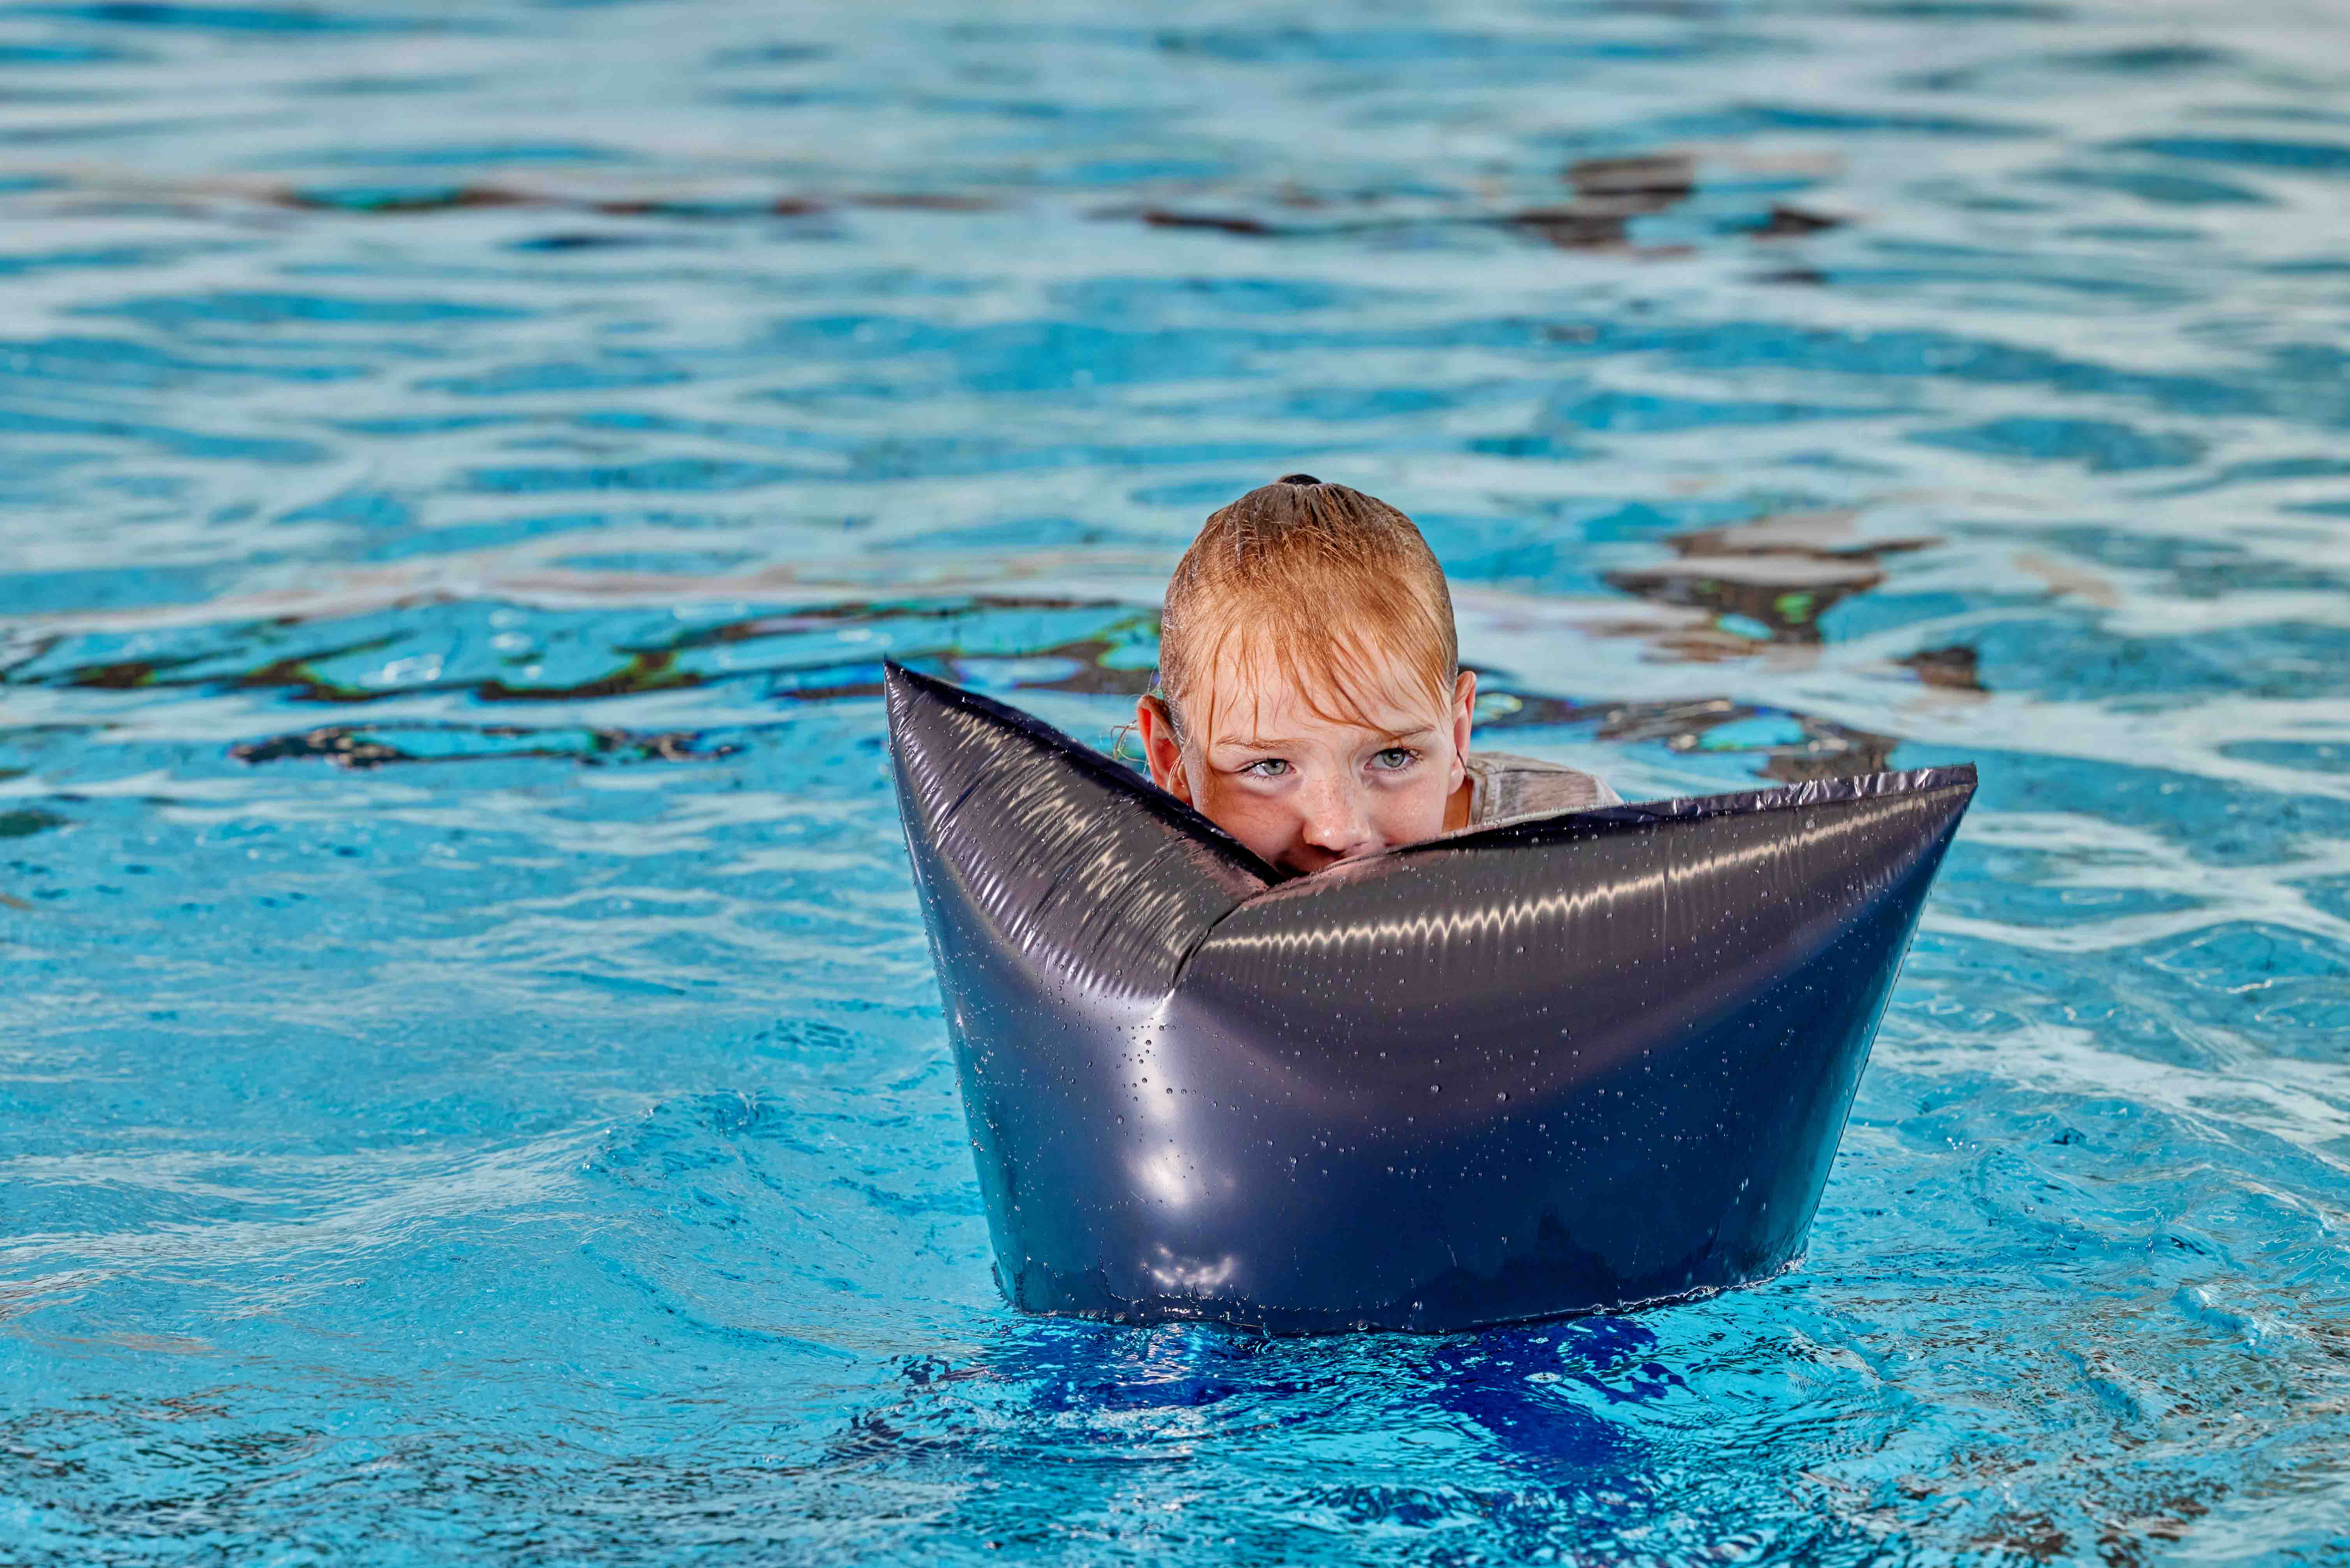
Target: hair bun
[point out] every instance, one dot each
(1297, 479)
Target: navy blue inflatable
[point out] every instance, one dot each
(1565, 1065)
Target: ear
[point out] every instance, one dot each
(1464, 705)
(1160, 749)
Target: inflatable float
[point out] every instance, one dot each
(1563, 1065)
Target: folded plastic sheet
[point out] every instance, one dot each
(1564, 1065)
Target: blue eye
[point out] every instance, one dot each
(1267, 768)
(1395, 758)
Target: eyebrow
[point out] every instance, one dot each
(1274, 743)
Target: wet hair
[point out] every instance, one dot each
(1330, 588)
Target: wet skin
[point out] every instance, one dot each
(1306, 790)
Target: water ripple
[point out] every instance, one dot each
(472, 1085)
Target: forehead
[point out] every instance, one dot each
(1251, 692)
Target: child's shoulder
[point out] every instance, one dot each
(1502, 787)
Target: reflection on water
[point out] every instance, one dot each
(554, 1158)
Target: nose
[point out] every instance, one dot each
(1335, 822)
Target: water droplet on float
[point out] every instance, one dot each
(1504, 1094)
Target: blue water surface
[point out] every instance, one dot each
(472, 1087)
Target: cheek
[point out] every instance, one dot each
(1268, 826)
(1409, 812)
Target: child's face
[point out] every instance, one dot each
(1304, 792)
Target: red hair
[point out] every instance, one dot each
(1334, 589)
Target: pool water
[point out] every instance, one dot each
(472, 1086)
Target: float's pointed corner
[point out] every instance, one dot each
(1586, 1060)
(1031, 847)
(1931, 803)
(901, 687)
(1062, 894)
(1953, 790)
(906, 694)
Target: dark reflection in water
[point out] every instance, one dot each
(1542, 1405)
(1955, 668)
(372, 746)
(1505, 1383)
(1781, 573)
